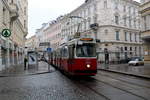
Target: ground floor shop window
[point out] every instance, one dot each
(4, 56)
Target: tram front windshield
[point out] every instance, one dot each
(86, 50)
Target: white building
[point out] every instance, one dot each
(119, 27)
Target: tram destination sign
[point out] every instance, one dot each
(6, 33)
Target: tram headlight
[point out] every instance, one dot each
(88, 66)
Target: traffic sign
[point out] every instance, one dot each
(49, 49)
(6, 33)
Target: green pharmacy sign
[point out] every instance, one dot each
(6, 33)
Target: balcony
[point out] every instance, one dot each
(145, 8)
(13, 11)
(146, 35)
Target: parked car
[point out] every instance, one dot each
(123, 61)
(136, 61)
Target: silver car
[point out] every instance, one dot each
(136, 61)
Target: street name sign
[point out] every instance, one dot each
(6, 33)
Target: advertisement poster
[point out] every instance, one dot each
(32, 59)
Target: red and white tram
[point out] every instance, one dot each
(76, 57)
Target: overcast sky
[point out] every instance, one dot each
(42, 11)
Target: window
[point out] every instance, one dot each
(134, 23)
(117, 19)
(135, 51)
(117, 35)
(130, 37)
(130, 48)
(24, 23)
(12, 1)
(64, 52)
(134, 11)
(145, 24)
(4, 15)
(129, 10)
(121, 49)
(89, 12)
(125, 33)
(86, 50)
(129, 21)
(124, 8)
(116, 5)
(135, 37)
(125, 21)
(105, 4)
(140, 39)
(25, 11)
(125, 48)
(106, 32)
(95, 19)
(95, 7)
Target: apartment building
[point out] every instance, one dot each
(13, 16)
(145, 12)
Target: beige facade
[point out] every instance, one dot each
(30, 43)
(13, 16)
(145, 11)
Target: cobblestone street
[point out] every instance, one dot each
(56, 86)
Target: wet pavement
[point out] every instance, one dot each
(56, 86)
(19, 70)
(141, 71)
(53, 85)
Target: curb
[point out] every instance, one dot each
(18, 75)
(126, 73)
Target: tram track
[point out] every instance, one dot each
(87, 86)
(133, 83)
(80, 84)
(142, 97)
(93, 84)
(96, 92)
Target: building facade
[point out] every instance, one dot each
(145, 11)
(30, 43)
(118, 27)
(13, 16)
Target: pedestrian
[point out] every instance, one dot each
(25, 62)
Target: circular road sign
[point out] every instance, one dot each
(6, 33)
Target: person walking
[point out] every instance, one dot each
(25, 62)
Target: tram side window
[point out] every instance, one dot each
(64, 52)
(71, 51)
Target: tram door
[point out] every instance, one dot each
(71, 57)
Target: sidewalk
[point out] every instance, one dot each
(138, 71)
(31, 70)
